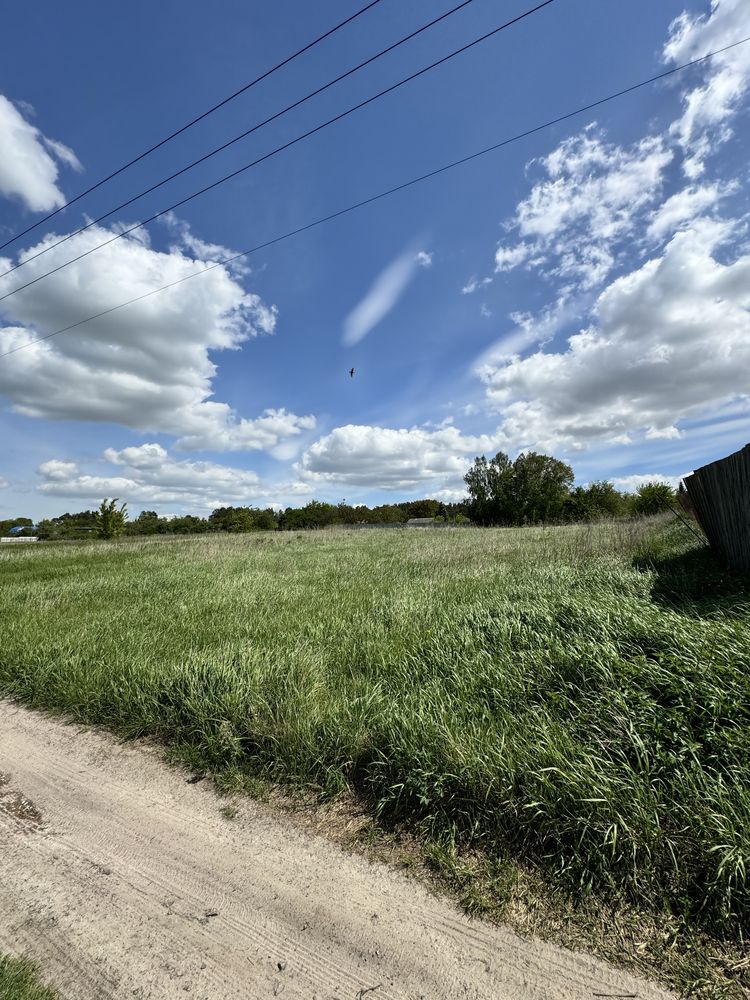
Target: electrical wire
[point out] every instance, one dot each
(384, 194)
(279, 149)
(194, 121)
(237, 138)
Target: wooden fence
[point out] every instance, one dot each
(720, 494)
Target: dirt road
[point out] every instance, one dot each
(125, 881)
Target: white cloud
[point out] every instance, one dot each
(57, 471)
(63, 153)
(424, 259)
(27, 166)
(187, 240)
(629, 484)
(709, 107)
(485, 311)
(4, 484)
(588, 201)
(507, 258)
(580, 217)
(147, 366)
(147, 473)
(684, 206)
(393, 459)
(529, 329)
(381, 298)
(473, 283)
(671, 342)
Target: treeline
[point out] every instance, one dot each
(315, 514)
(532, 489)
(538, 489)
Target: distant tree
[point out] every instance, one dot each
(14, 522)
(148, 522)
(69, 526)
(530, 490)
(422, 508)
(389, 513)
(490, 488)
(540, 487)
(653, 498)
(265, 520)
(234, 519)
(110, 521)
(48, 529)
(595, 501)
(186, 524)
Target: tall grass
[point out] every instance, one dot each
(19, 980)
(577, 696)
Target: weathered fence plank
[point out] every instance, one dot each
(720, 493)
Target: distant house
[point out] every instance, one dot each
(422, 522)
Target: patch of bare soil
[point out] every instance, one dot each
(136, 885)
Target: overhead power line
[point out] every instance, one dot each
(284, 146)
(242, 135)
(194, 121)
(384, 194)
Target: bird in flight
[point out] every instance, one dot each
(351, 373)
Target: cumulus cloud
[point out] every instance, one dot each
(57, 471)
(588, 201)
(148, 473)
(146, 366)
(670, 342)
(381, 298)
(682, 207)
(709, 107)
(629, 484)
(393, 459)
(593, 195)
(28, 167)
(187, 240)
(424, 259)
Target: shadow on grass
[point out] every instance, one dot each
(696, 583)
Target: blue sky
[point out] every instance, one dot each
(584, 291)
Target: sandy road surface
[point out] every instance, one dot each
(125, 881)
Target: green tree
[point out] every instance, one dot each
(653, 498)
(14, 522)
(490, 488)
(530, 490)
(265, 520)
(541, 485)
(234, 519)
(148, 522)
(110, 521)
(595, 501)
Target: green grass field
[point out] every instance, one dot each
(19, 980)
(577, 698)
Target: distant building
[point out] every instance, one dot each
(15, 539)
(422, 522)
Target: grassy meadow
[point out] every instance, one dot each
(577, 698)
(19, 980)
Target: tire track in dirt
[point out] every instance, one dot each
(124, 881)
